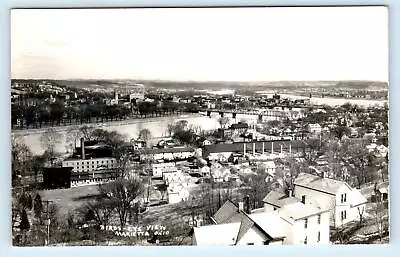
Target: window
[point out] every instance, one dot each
(343, 198)
(319, 236)
(303, 199)
(306, 223)
(343, 215)
(305, 240)
(250, 243)
(319, 218)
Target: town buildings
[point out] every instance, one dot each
(91, 164)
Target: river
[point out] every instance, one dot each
(129, 128)
(158, 125)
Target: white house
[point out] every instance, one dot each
(159, 168)
(304, 223)
(314, 128)
(345, 203)
(270, 167)
(177, 193)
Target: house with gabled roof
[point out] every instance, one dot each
(291, 223)
(239, 228)
(305, 223)
(345, 203)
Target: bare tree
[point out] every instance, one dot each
(86, 132)
(145, 135)
(223, 121)
(379, 212)
(170, 129)
(101, 211)
(21, 158)
(73, 134)
(49, 139)
(123, 194)
(361, 213)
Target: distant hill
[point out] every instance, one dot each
(196, 85)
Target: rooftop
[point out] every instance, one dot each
(327, 185)
(229, 212)
(222, 234)
(279, 199)
(239, 146)
(167, 150)
(298, 211)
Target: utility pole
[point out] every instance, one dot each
(47, 222)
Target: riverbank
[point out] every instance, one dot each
(131, 121)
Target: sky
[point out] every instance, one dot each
(201, 44)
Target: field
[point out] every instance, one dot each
(67, 200)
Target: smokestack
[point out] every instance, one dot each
(82, 148)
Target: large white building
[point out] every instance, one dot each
(294, 223)
(89, 165)
(305, 223)
(345, 203)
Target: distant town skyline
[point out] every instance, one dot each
(220, 44)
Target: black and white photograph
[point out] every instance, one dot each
(234, 126)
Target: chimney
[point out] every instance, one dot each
(247, 204)
(82, 148)
(241, 206)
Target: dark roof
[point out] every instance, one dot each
(239, 126)
(273, 197)
(238, 146)
(167, 150)
(228, 213)
(279, 199)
